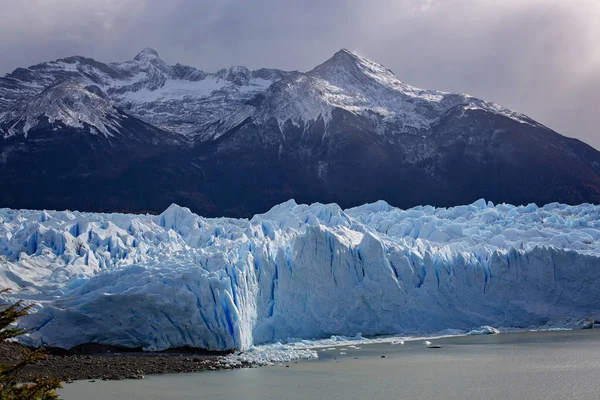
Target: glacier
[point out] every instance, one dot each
(298, 272)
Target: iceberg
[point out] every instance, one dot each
(298, 272)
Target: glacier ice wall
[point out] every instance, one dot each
(298, 271)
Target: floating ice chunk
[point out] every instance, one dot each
(271, 354)
(483, 330)
(571, 323)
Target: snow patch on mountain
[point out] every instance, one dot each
(177, 90)
(298, 271)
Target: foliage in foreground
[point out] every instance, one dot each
(10, 388)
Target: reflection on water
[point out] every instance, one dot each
(534, 365)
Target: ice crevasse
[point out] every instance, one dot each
(298, 271)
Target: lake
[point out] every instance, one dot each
(532, 365)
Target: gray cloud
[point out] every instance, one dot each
(539, 57)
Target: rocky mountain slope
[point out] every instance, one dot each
(142, 134)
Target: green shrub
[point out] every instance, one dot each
(10, 387)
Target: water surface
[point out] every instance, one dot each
(533, 365)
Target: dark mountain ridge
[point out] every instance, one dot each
(140, 135)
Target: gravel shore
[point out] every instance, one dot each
(102, 362)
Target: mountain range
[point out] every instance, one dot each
(139, 135)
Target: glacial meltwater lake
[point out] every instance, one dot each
(557, 365)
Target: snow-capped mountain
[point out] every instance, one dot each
(186, 100)
(68, 104)
(236, 142)
(352, 83)
(177, 98)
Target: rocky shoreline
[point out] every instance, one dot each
(109, 363)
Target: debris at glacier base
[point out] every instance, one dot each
(299, 271)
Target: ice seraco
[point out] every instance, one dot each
(298, 271)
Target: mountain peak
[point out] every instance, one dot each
(346, 53)
(65, 101)
(345, 62)
(147, 54)
(343, 57)
(347, 69)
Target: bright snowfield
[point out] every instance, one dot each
(298, 271)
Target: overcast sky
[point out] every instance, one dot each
(539, 57)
